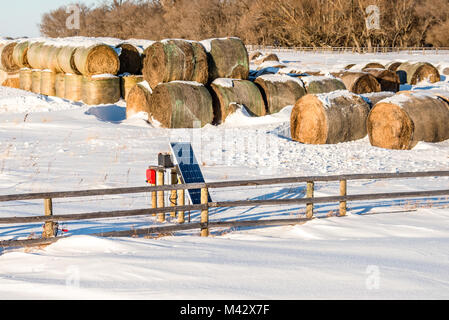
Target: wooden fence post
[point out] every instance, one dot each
(205, 213)
(173, 193)
(49, 227)
(181, 202)
(160, 195)
(343, 192)
(309, 206)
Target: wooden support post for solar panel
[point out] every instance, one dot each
(343, 192)
(173, 193)
(153, 198)
(181, 202)
(309, 194)
(205, 213)
(49, 227)
(160, 194)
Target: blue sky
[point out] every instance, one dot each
(20, 17)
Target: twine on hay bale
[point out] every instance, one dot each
(173, 60)
(244, 92)
(36, 81)
(73, 86)
(97, 59)
(48, 80)
(20, 54)
(228, 58)
(25, 79)
(403, 120)
(131, 60)
(322, 84)
(138, 99)
(279, 91)
(60, 85)
(388, 80)
(419, 71)
(179, 104)
(360, 82)
(329, 118)
(66, 60)
(100, 89)
(127, 82)
(7, 63)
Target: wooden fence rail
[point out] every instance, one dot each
(49, 218)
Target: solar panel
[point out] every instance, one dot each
(189, 168)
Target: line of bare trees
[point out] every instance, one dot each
(315, 23)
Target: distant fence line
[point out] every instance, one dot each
(423, 50)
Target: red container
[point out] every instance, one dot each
(151, 176)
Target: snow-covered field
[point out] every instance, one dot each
(382, 249)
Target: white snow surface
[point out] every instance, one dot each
(389, 249)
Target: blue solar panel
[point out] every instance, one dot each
(189, 168)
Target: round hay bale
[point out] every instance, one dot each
(100, 89)
(349, 66)
(403, 120)
(20, 54)
(373, 65)
(44, 56)
(201, 68)
(33, 55)
(419, 71)
(66, 60)
(388, 80)
(96, 60)
(127, 82)
(48, 80)
(36, 81)
(7, 63)
(179, 104)
(73, 86)
(393, 66)
(25, 79)
(228, 58)
(329, 118)
(170, 60)
(52, 60)
(360, 82)
(279, 91)
(60, 85)
(268, 57)
(255, 55)
(322, 84)
(130, 59)
(445, 71)
(138, 99)
(225, 91)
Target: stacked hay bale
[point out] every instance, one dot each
(329, 118)
(8, 68)
(180, 104)
(127, 83)
(100, 89)
(401, 121)
(226, 91)
(279, 91)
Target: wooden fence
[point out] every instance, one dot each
(49, 219)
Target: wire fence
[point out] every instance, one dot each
(375, 50)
